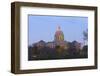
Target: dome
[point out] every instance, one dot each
(59, 36)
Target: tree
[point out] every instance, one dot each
(85, 36)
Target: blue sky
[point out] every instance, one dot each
(44, 27)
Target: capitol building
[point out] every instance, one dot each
(57, 42)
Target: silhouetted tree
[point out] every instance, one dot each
(85, 36)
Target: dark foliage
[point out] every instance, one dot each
(46, 53)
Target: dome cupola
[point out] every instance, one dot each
(59, 36)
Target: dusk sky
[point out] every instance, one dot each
(44, 28)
